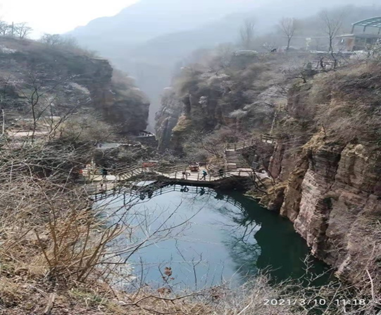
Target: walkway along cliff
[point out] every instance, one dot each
(325, 161)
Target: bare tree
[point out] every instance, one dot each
(42, 98)
(332, 23)
(22, 30)
(4, 28)
(59, 40)
(247, 34)
(51, 39)
(288, 27)
(223, 58)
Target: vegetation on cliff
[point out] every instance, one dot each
(233, 93)
(325, 158)
(40, 81)
(333, 193)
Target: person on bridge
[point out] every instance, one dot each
(104, 173)
(204, 174)
(221, 172)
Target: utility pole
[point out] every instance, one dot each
(3, 113)
(3, 129)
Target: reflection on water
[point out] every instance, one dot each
(206, 237)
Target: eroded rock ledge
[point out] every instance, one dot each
(333, 197)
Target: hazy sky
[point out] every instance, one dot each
(58, 16)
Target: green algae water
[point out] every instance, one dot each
(205, 237)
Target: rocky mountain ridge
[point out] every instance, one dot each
(57, 81)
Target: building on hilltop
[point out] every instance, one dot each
(365, 40)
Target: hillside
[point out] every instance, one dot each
(150, 38)
(325, 157)
(45, 81)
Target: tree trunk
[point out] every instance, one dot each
(330, 44)
(288, 43)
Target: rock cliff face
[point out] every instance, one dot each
(237, 90)
(333, 197)
(167, 118)
(67, 80)
(333, 183)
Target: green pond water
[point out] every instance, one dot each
(206, 237)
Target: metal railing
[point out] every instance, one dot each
(125, 174)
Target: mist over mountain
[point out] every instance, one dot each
(148, 38)
(150, 18)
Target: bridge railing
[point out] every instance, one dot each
(126, 173)
(250, 142)
(241, 144)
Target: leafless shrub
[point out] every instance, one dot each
(51, 231)
(332, 23)
(19, 30)
(288, 27)
(247, 34)
(85, 128)
(349, 111)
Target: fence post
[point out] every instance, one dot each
(198, 176)
(176, 175)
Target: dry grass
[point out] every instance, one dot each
(351, 106)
